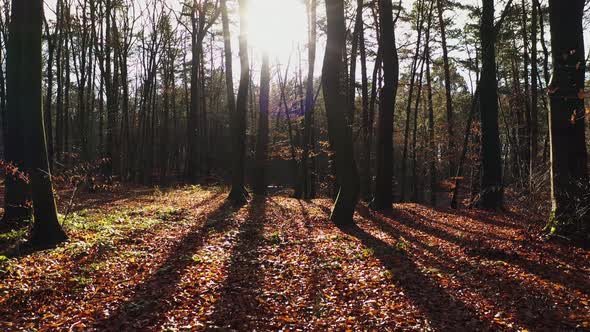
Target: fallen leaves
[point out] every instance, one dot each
(183, 260)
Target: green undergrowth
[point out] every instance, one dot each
(101, 229)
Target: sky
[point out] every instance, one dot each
(279, 27)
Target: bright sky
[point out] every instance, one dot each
(280, 26)
(277, 27)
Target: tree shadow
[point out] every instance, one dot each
(481, 248)
(487, 217)
(442, 309)
(152, 298)
(238, 306)
(531, 305)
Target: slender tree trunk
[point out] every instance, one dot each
(566, 118)
(534, 148)
(414, 136)
(448, 93)
(229, 80)
(309, 102)
(192, 166)
(526, 143)
(365, 130)
(66, 112)
(238, 194)
(414, 70)
(358, 25)
(51, 40)
(260, 183)
(431, 132)
(59, 103)
(459, 175)
(384, 181)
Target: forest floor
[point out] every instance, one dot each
(183, 259)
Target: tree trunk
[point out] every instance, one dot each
(192, 165)
(238, 194)
(24, 65)
(17, 191)
(384, 181)
(229, 80)
(526, 133)
(365, 130)
(309, 103)
(448, 87)
(414, 70)
(334, 86)
(534, 148)
(431, 137)
(491, 177)
(262, 139)
(566, 118)
(51, 40)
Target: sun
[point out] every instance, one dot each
(277, 26)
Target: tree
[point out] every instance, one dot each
(238, 194)
(491, 176)
(262, 139)
(566, 116)
(203, 14)
(414, 70)
(229, 80)
(534, 148)
(306, 182)
(448, 87)
(366, 124)
(431, 137)
(16, 193)
(24, 64)
(339, 131)
(384, 182)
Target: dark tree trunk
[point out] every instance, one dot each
(384, 181)
(491, 178)
(229, 80)
(192, 166)
(414, 70)
(17, 192)
(51, 40)
(431, 137)
(262, 139)
(448, 93)
(24, 65)
(334, 86)
(238, 194)
(566, 116)
(365, 130)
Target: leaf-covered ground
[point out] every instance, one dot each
(184, 260)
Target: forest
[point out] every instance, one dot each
(294, 165)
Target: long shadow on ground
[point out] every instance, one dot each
(443, 310)
(238, 307)
(152, 298)
(486, 249)
(531, 306)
